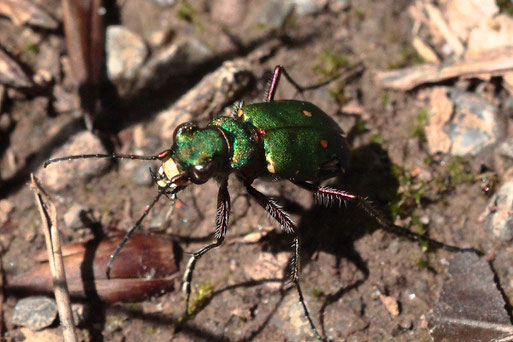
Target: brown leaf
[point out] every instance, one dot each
(11, 73)
(23, 12)
(142, 269)
(470, 307)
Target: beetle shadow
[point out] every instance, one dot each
(334, 230)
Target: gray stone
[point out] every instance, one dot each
(66, 174)
(473, 125)
(36, 312)
(229, 12)
(165, 2)
(274, 13)
(177, 58)
(126, 52)
(500, 219)
(339, 5)
(506, 148)
(309, 7)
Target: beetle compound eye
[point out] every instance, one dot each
(183, 128)
(202, 173)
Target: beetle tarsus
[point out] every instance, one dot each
(307, 313)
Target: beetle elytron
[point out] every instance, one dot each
(289, 139)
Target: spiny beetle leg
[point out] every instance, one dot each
(222, 217)
(286, 224)
(273, 209)
(327, 195)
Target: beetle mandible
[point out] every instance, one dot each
(279, 139)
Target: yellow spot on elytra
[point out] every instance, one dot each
(240, 112)
(271, 166)
(307, 113)
(324, 143)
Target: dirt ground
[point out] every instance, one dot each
(348, 264)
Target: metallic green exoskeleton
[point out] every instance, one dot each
(290, 139)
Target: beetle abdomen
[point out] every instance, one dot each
(301, 142)
(304, 153)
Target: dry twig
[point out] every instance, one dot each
(495, 63)
(53, 245)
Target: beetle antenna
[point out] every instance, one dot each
(127, 236)
(159, 156)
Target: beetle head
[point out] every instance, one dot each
(194, 157)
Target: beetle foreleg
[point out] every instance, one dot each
(222, 216)
(288, 225)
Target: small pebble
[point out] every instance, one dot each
(339, 5)
(126, 52)
(67, 174)
(391, 304)
(274, 13)
(36, 312)
(309, 7)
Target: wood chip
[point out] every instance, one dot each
(391, 304)
(441, 111)
(438, 21)
(425, 51)
(492, 34)
(464, 15)
(496, 62)
(508, 81)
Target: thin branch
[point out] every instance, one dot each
(53, 245)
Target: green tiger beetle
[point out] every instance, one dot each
(284, 139)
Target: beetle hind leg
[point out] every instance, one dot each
(280, 70)
(327, 196)
(222, 216)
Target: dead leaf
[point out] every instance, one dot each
(23, 12)
(470, 307)
(11, 73)
(142, 269)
